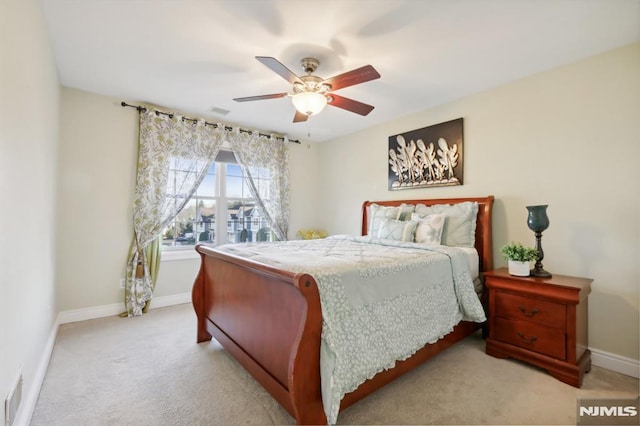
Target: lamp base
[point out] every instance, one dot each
(541, 273)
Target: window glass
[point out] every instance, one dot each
(221, 211)
(206, 222)
(208, 186)
(235, 187)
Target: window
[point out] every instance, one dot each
(222, 209)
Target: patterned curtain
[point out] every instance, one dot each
(174, 155)
(258, 154)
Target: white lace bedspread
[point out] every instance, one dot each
(382, 300)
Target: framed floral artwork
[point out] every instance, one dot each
(427, 157)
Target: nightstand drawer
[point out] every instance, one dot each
(530, 309)
(537, 338)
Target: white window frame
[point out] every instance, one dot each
(221, 226)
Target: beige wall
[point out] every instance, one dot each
(29, 93)
(97, 174)
(98, 142)
(568, 138)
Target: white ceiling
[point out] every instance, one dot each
(192, 56)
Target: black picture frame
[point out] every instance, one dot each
(427, 157)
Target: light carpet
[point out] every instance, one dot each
(149, 371)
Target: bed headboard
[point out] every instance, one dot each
(484, 240)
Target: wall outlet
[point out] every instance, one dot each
(122, 283)
(12, 403)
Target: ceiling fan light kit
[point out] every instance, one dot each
(309, 103)
(310, 94)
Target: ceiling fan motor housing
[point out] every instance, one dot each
(311, 83)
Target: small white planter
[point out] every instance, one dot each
(517, 268)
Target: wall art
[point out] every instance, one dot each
(427, 157)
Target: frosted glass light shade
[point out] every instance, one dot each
(309, 103)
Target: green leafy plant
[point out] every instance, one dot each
(519, 253)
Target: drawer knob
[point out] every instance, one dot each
(524, 339)
(528, 314)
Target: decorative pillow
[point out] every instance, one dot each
(399, 230)
(379, 213)
(460, 224)
(405, 211)
(429, 229)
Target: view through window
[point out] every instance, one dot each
(222, 209)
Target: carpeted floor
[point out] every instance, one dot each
(149, 371)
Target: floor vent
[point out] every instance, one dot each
(12, 403)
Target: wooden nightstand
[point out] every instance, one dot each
(542, 321)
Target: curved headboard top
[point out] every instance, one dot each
(484, 239)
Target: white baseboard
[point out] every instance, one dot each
(175, 299)
(28, 405)
(620, 364)
(84, 314)
(25, 412)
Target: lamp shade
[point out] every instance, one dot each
(309, 103)
(537, 219)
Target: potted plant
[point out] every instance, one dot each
(519, 257)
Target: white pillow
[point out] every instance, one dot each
(429, 229)
(399, 230)
(460, 225)
(379, 213)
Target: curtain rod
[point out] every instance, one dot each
(170, 115)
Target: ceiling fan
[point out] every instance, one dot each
(311, 93)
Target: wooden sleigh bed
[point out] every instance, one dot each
(238, 302)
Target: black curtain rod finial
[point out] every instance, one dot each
(139, 108)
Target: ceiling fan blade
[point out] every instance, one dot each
(350, 105)
(300, 117)
(276, 66)
(261, 97)
(350, 78)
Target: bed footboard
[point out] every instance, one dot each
(270, 321)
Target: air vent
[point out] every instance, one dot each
(220, 111)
